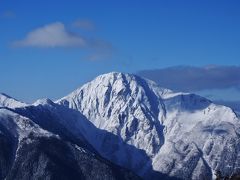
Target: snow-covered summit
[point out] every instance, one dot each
(119, 81)
(46, 102)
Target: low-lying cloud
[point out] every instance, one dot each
(187, 78)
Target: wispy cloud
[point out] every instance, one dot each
(84, 24)
(186, 78)
(51, 35)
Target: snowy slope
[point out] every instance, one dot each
(7, 101)
(20, 127)
(31, 150)
(179, 134)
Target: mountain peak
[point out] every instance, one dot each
(121, 80)
(44, 101)
(114, 76)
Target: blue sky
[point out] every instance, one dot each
(49, 48)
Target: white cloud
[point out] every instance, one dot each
(51, 35)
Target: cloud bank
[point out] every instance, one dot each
(187, 78)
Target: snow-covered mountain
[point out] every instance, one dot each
(128, 120)
(156, 130)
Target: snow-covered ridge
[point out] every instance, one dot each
(41, 153)
(7, 101)
(19, 126)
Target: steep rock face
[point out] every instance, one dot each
(124, 105)
(30, 152)
(182, 135)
